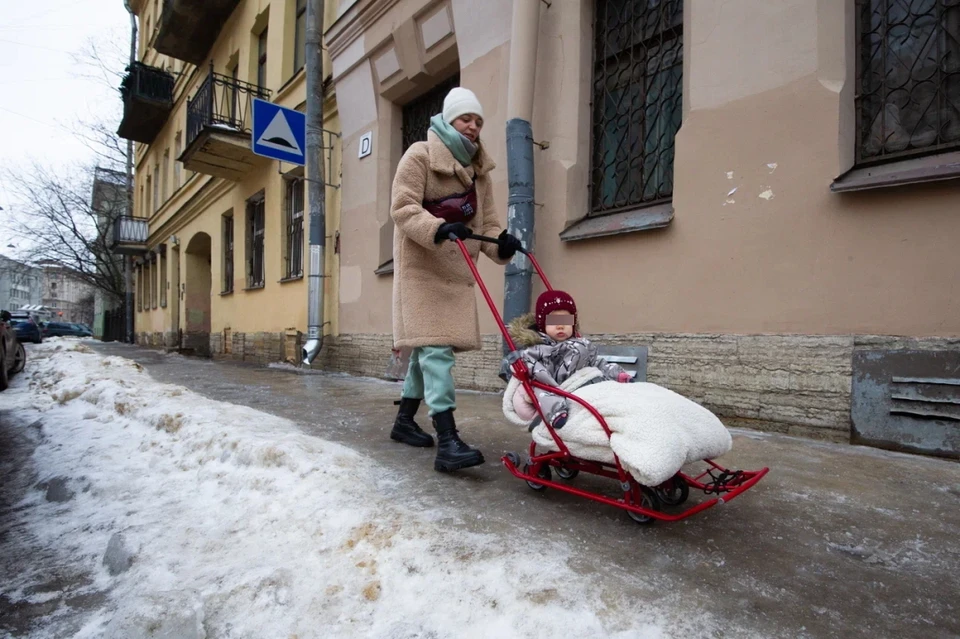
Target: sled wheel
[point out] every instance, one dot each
(648, 500)
(567, 473)
(544, 473)
(674, 491)
(514, 459)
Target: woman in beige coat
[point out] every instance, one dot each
(442, 188)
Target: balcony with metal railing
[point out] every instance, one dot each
(188, 28)
(147, 94)
(130, 235)
(219, 117)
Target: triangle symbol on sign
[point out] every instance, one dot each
(278, 135)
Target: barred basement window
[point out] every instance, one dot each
(417, 112)
(909, 78)
(637, 85)
(228, 253)
(294, 228)
(256, 212)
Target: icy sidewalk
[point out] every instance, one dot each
(223, 521)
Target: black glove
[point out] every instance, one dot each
(507, 245)
(459, 229)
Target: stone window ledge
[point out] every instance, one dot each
(258, 287)
(287, 280)
(225, 293)
(932, 168)
(385, 269)
(644, 219)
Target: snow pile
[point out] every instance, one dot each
(223, 521)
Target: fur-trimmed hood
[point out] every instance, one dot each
(523, 331)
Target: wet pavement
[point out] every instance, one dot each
(836, 541)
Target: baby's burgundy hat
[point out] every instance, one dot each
(550, 301)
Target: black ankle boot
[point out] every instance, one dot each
(405, 429)
(452, 453)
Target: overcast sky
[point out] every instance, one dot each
(43, 90)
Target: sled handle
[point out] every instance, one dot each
(529, 254)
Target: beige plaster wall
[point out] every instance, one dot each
(764, 86)
(366, 298)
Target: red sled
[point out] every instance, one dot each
(644, 504)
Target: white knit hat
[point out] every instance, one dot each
(459, 102)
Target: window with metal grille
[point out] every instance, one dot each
(294, 228)
(417, 112)
(234, 91)
(154, 284)
(262, 59)
(637, 101)
(256, 212)
(300, 36)
(156, 187)
(228, 253)
(163, 280)
(909, 78)
(166, 172)
(177, 148)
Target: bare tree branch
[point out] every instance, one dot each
(65, 220)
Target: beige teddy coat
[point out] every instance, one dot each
(434, 293)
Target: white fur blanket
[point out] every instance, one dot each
(655, 431)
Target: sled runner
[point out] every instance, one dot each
(644, 504)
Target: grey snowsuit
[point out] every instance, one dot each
(551, 362)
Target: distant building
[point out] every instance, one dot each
(67, 296)
(20, 284)
(110, 202)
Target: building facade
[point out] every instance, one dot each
(761, 195)
(218, 233)
(67, 297)
(20, 284)
(109, 201)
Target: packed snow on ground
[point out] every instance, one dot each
(223, 521)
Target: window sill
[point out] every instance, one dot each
(257, 287)
(225, 293)
(287, 280)
(932, 168)
(385, 269)
(644, 219)
(287, 87)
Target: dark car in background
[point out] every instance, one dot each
(63, 329)
(13, 356)
(83, 328)
(27, 330)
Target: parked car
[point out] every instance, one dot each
(27, 330)
(63, 329)
(83, 328)
(13, 356)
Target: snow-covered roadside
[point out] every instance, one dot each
(242, 526)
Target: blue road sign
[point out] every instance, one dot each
(278, 132)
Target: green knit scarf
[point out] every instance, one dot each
(461, 148)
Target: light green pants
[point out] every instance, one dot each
(430, 378)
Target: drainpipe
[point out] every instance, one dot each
(128, 260)
(520, 89)
(316, 185)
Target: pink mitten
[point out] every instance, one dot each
(624, 378)
(523, 405)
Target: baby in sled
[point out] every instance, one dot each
(549, 345)
(653, 430)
